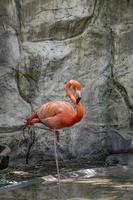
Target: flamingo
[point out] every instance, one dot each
(59, 114)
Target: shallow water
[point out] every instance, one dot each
(89, 189)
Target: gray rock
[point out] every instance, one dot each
(119, 159)
(47, 43)
(13, 109)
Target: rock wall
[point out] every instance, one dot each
(46, 43)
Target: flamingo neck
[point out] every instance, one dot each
(79, 108)
(79, 112)
(69, 92)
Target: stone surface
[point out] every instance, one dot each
(13, 109)
(119, 159)
(46, 43)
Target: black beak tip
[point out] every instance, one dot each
(78, 100)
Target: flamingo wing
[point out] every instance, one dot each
(55, 114)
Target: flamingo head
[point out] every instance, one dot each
(76, 89)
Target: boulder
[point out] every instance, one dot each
(46, 43)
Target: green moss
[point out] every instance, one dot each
(3, 6)
(32, 75)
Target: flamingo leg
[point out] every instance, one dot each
(56, 159)
(57, 133)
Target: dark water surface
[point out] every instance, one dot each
(87, 189)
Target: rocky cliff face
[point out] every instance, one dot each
(46, 43)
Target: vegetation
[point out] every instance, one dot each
(31, 75)
(3, 6)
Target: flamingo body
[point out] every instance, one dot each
(59, 114)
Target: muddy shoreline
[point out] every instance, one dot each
(24, 172)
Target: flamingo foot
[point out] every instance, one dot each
(29, 129)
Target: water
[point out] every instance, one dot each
(84, 189)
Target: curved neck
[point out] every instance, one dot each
(69, 92)
(79, 108)
(79, 112)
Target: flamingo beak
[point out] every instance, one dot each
(78, 98)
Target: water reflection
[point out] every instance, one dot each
(92, 189)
